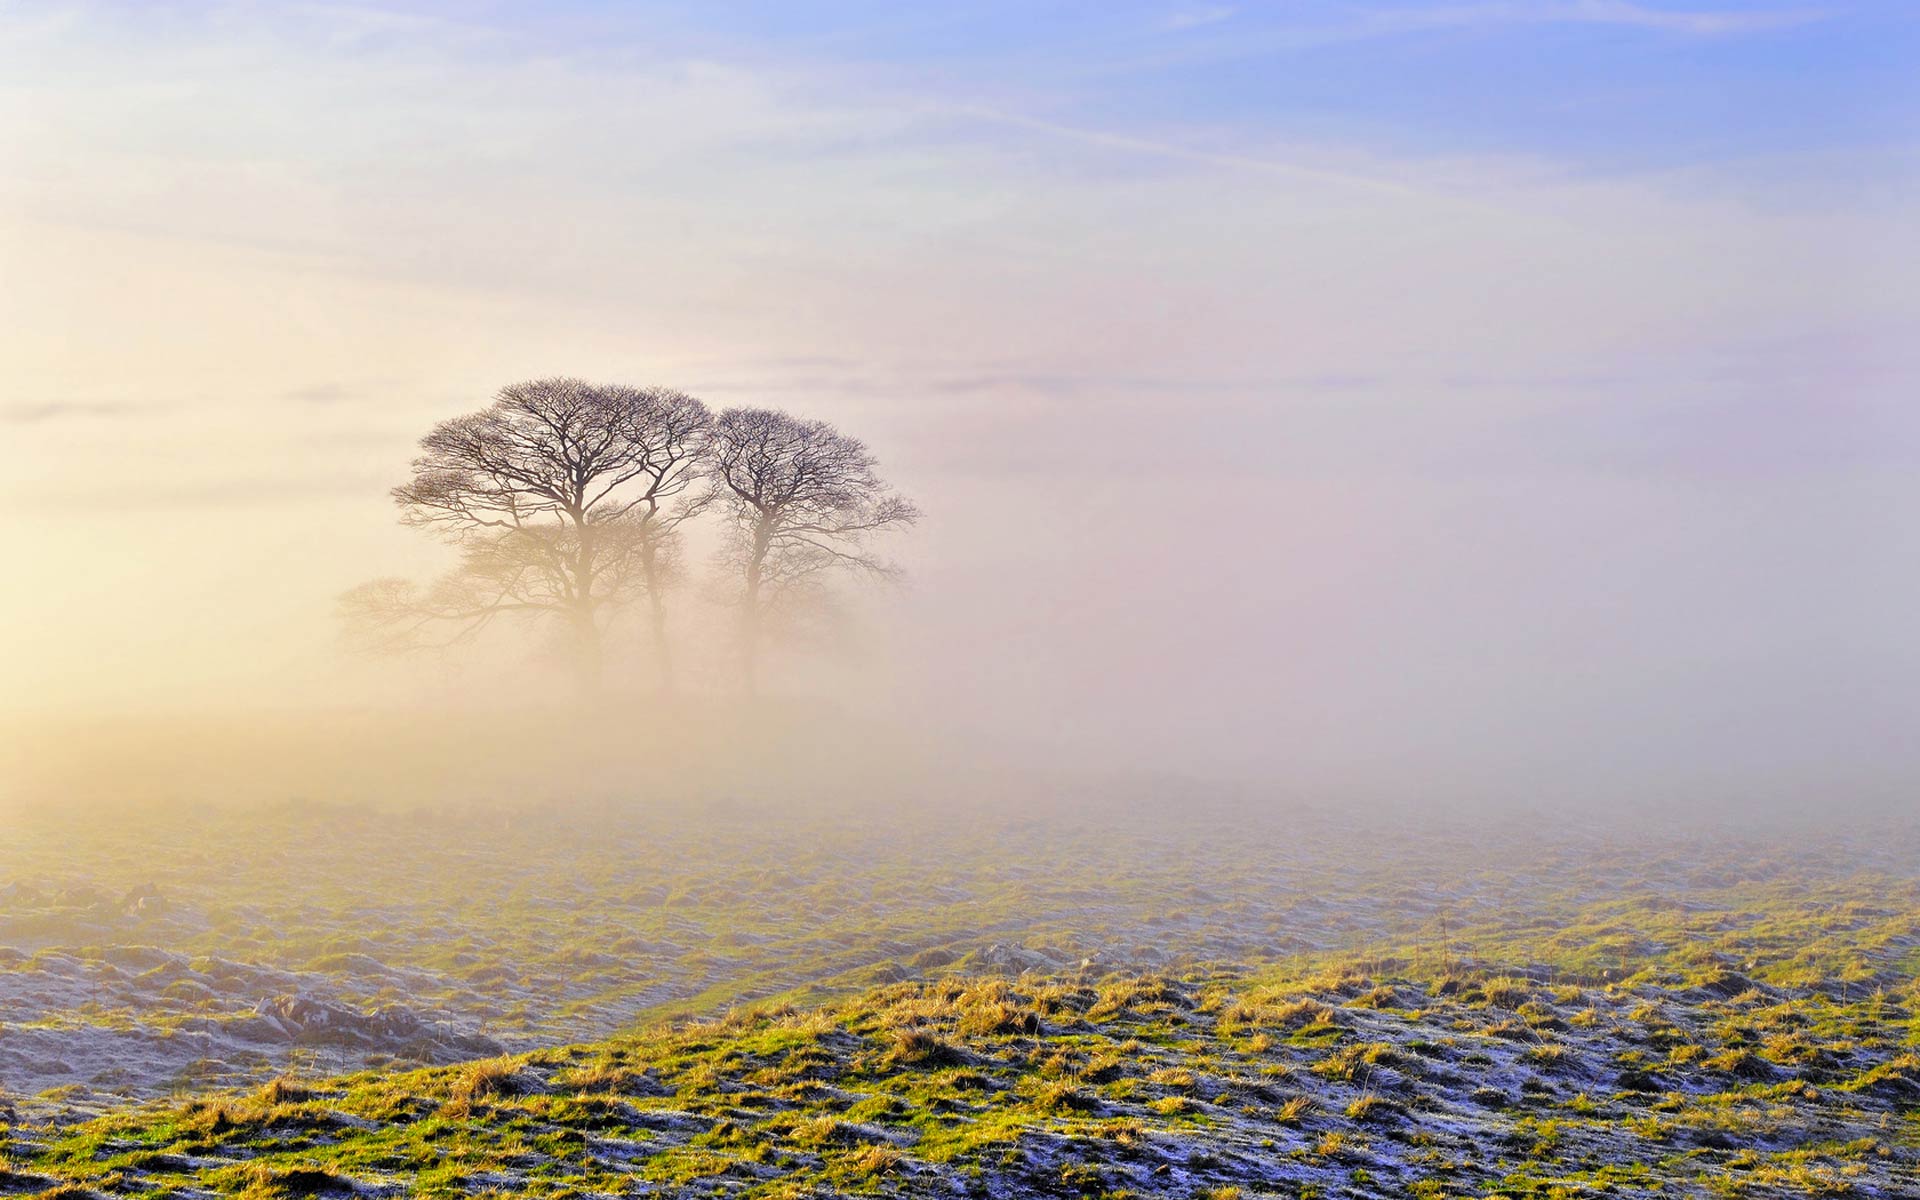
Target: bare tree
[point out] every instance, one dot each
(673, 431)
(801, 501)
(564, 498)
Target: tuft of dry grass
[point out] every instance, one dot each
(284, 1091)
(1331, 1145)
(873, 1160)
(488, 1079)
(1366, 1105)
(998, 1017)
(1505, 992)
(918, 1048)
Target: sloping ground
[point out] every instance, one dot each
(1665, 1084)
(142, 1021)
(147, 953)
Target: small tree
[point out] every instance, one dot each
(561, 496)
(801, 501)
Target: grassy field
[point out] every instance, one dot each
(1074, 998)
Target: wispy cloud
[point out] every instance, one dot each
(1195, 18)
(1697, 22)
(352, 24)
(1316, 27)
(1159, 148)
(38, 412)
(322, 395)
(319, 393)
(253, 493)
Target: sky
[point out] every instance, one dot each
(1465, 398)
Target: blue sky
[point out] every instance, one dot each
(1601, 83)
(1624, 83)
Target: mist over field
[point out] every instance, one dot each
(1252, 439)
(824, 597)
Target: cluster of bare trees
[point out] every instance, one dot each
(568, 502)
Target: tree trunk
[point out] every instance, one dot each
(750, 632)
(586, 630)
(588, 667)
(750, 647)
(662, 647)
(657, 611)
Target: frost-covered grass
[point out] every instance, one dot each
(1190, 1085)
(320, 940)
(1148, 997)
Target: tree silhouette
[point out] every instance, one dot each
(565, 499)
(801, 502)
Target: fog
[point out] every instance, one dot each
(1360, 473)
(1014, 598)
